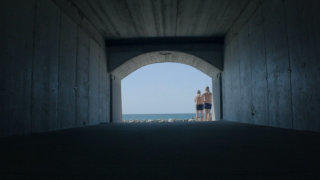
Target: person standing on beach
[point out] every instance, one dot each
(207, 103)
(199, 105)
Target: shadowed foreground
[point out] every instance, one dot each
(162, 150)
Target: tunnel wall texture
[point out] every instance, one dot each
(53, 74)
(272, 69)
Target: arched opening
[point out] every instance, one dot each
(162, 92)
(160, 57)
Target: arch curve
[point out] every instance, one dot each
(144, 59)
(164, 56)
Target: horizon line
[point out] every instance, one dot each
(153, 113)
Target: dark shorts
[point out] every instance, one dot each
(207, 106)
(199, 107)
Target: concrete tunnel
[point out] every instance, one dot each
(62, 62)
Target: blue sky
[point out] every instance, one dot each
(162, 88)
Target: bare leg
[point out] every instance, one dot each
(197, 115)
(207, 114)
(201, 114)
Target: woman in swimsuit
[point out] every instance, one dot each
(199, 105)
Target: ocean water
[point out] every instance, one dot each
(157, 116)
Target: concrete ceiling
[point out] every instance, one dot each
(161, 18)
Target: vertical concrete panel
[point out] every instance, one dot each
(67, 73)
(280, 112)
(243, 54)
(283, 51)
(30, 53)
(108, 98)
(116, 100)
(83, 57)
(119, 100)
(94, 94)
(103, 86)
(228, 75)
(245, 73)
(230, 79)
(303, 20)
(3, 63)
(235, 81)
(226, 83)
(45, 73)
(216, 88)
(16, 54)
(108, 92)
(259, 84)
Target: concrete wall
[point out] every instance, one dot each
(53, 74)
(272, 69)
(216, 91)
(209, 50)
(116, 99)
(141, 60)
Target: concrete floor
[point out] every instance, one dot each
(162, 151)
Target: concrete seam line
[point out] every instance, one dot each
(76, 79)
(32, 64)
(289, 61)
(266, 69)
(59, 62)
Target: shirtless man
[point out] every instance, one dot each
(199, 105)
(207, 103)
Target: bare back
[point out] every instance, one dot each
(198, 99)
